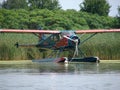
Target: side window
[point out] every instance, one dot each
(55, 37)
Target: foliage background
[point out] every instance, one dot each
(54, 19)
(105, 46)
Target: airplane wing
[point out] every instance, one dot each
(57, 32)
(97, 31)
(29, 31)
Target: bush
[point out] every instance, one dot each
(57, 19)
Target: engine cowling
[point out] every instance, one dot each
(72, 39)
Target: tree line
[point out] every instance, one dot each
(54, 19)
(31, 4)
(100, 7)
(30, 14)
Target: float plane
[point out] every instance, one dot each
(60, 41)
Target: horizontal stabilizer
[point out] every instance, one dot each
(25, 45)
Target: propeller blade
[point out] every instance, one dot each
(76, 45)
(76, 50)
(69, 38)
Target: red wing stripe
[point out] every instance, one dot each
(29, 31)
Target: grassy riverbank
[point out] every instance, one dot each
(105, 46)
(30, 62)
(16, 62)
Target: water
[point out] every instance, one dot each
(51, 76)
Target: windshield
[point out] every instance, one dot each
(68, 33)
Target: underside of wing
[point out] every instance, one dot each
(58, 31)
(97, 31)
(29, 31)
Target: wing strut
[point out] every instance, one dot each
(88, 38)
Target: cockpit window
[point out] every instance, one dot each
(68, 33)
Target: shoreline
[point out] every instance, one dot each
(16, 62)
(30, 61)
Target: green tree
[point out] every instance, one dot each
(44, 4)
(117, 22)
(100, 7)
(14, 4)
(118, 11)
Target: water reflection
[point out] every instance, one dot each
(52, 76)
(72, 68)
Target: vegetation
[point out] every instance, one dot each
(100, 7)
(31, 4)
(118, 18)
(105, 46)
(53, 19)
(43, 4)
(14, 4)
(30, 15)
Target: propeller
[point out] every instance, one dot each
(76, 45)
(76, 48)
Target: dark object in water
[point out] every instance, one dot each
(65, 60)
(86, 59)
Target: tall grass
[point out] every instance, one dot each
(8, 51)
(105, 46)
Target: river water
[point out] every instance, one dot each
(52, 76)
